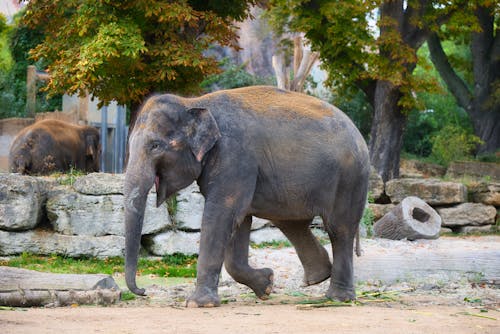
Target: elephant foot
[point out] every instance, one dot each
(319, 275)
(341, 294)
(263, 284)
(199, 299)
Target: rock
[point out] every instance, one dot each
(468, 214)
(475, 169)
(258, 223)
(476, 229)
(379, 210)
(268, 234)
(190, 205)
(486, 193)
(445, 230)
(432, 191)
(72, 213)
(46, 243)
(171, 242)
(412, 219)
(375, 185)
(100, 184)
(21, 201)
(415, 168)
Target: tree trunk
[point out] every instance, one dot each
(21, 287)
(411, 219)
(387, 131)
(481, 105)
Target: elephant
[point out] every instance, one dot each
(52, 145)
(255, 151)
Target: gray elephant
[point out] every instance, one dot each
(256, 151)
(51, 145)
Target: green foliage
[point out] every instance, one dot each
(354, 104)
(176, 265)
(367, 220)
(20, 39)
(453, 143)
(275, 244)
(124, 50)
(232, 76)
(69, 178)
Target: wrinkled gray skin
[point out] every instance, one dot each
(52, 145)
(256, 151)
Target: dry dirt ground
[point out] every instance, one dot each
(446, 303)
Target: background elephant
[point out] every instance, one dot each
(255, 151)
(52, 145)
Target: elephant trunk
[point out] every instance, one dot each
(136, 193)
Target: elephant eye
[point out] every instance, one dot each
(155, 145)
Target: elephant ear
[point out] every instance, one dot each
(202, 131)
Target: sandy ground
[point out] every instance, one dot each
(438, 304)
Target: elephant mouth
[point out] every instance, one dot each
(161, 190)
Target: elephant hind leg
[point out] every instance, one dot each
(236, 262)
(342, 226)
(313, 256)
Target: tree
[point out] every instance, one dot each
(125, 50)
(480, 96)
(371, 45)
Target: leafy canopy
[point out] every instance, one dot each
(364, 41)
(124, 50)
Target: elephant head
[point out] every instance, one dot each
(92, 149)
(167, 148)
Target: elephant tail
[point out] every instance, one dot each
(358, 244)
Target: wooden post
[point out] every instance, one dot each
(31, 91)
(32, 76)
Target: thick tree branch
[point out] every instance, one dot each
(454, 83)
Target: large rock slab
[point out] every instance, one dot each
(432, 191)
(72, 213)
(21, 201)
(46, 243)
(475, 169)
(486, 193)
(100, 184)
(171, 242)
(419, 169)
(379, 210)
(190, 205)
(473, 214)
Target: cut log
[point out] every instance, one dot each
(411, 219)
(21, 287)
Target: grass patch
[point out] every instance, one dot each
(69, 178)
(275, 244)
(177, 265)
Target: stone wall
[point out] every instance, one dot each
(40, 215)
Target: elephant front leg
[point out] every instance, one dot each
(216, 229)
(236, 262)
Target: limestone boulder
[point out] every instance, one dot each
(267, 234)
(472, 214)
(416, 169)
(171, 242)
(46, 243)
(476, 229)
(100, 184)
(72, 213)
(21, 202)
(486, 193)
(190, 205)
(475, 169)
(379, 210)
(432, 191)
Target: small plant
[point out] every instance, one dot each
(127, 295)
(453, 143)
(367, 220)
(69, 178)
